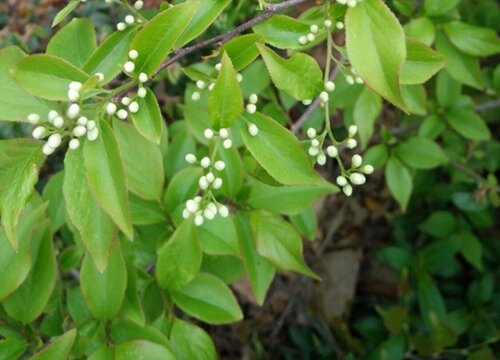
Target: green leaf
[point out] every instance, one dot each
(421, 29)
(106, 177)
(242, 50)
(53, 194)
(12, 348)
(282, 31)
(179, 260)
(110, 56)
(399, 181)
(279, 243)
(473, 40)
(208, 299)
(175, 159)
(59, 348)
(415, 99)
(15, 102)
(462, 67)
(191, 342)
(430, 300)
(29, 300)
(104, 291)
(468, 124)
(206, 13)
(373, 32)
(439, 7)
(148, 120)
(278, 151)
(159, 35)
(232, 176)
(145, 212)
(421, 63)
(377, 155)
(125, 331)
(19, 163)
(47, 76)
(421, 153)
(259, 271)
(225, 101)
(366, 112)
(219, 237)
(142, 349)
(448, 90)
(289, 200)
(144, 168)
(299, 77)
(74, 43)
(182, 187)
(439, 224)
(431, 127)
(65, 11)
(471, 249)
(95, 227)
(306, 223)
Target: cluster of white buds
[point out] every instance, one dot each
(202, 211)
(355, 175)
(353, 77)
(223, 133)
(315, 150)
(311, 36)
(350, 3)
(129, 20)
(127, 105)
(252, 104)
(138, 5)
(324, 96)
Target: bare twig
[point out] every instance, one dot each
(488, 105)
(223, 38)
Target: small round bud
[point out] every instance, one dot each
(313, 151)
(143, 77)
(311, 133)
(223, 211)
(122, 114)
(357, 178)
(82, 120)
(220, 165)
(73, 111)
(198, 220)
(253, 129)
(93, 134)
(110, 108)
(311, 37)
(321, 159)
(39, 132)
(356, 161)
(239, 77)
(190, 158)
(303, 40)
(218, 66)
(314, 28)
(339, 25)
(192, 206)
(54, 140)
(142, 92)
(186, 214)
(196, 96)
(200, 84)
(332, 151)
(328, 23)
(351, 143)
(91, 125)
(52, 115)
(227, 144)
(59, 122)
(33, 119)
(352, 130)
(79, 131)
(224, 133)
(208, 214)
(208, 134)
(367, 169)
(324, 97)
(307, 102)
(251, 108)
(217, 183)
(133, 107)
(133, 54)
(341, 181)
(315, 143)
(211, 86)
(205, 162)
(352, 3)
(210, 177)
(253, 99)
(330, 86)
(74, 144)
(138, 5)
(212, 207)
(47, 149)
(203, 183)
(129, 66)
(347, 190)
(358, 80)
(75, 85)
(121, 26)
(100, 77)
(129, 19)
(349, 79)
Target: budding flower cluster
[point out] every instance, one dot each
(350, 3)
(200, 212)
(353, 78)
(130, 20)
(251, 106)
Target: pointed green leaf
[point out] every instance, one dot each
(53, 194)
(468, 124)
(219, 237)
(473, 40)
(182, 187)
(439, 7)
(399, 181)
(60, 348)
(12, 348)
(148, 120)
(243, 50)
(65, 11)
(282, 31)
(471, 249)
(421, 63)
(142, 349)
(421, 29)
(191, 342)
(421, 153)
(366, 112)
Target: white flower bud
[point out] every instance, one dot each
(110, 108)
(208, 134)
(133, 54)
(321, 159)
(352, 3)
(192, 206)
(186, 214)
(100, 77)
(59, 122)
(315, 143)
(223, 211)
(314, 28)
(217, 183)
(129, 66)
(211, 86)
(198, 199)
(79, 131)
(133, 107)
(198, 220)
(39, 132)
(341, 181)
(122, 114)
(343, 2)
(212, 207)
(47, 150)
(339, 25)
(196, 96)
(313, 151)
(349, 79)
(54, 140)
(311, 37)
(303, 40)
(357, 178)
(91, 125)
(73, 111)
(75, 85)
(129, 19)
(73, 95)
(328, 23)
(253, 99)
(210, 177)
(332, 151)
(205, 162)
(347, 190)
(330, 86)
(367, 169)
(203, 183)
(324, 97)
(121, 26)
(208, 214)
(352, 130)
(356, 161)
(33, 119)
(82, 120)
(93, 134)
(143, 77)
(359, 80)
(218, 66)
(52, 115)
(190, 158)
(239, 77)
(351, 143)
(220, 165)
(142, 92)
(253, 129)
(224, 133)
(307, 102)
(227, 144)
(311, 133)
(251, 108)
(138, 5)
(200, 84)
(74, 144)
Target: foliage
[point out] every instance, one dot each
(137, 228)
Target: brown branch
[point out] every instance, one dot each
(224, 38)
